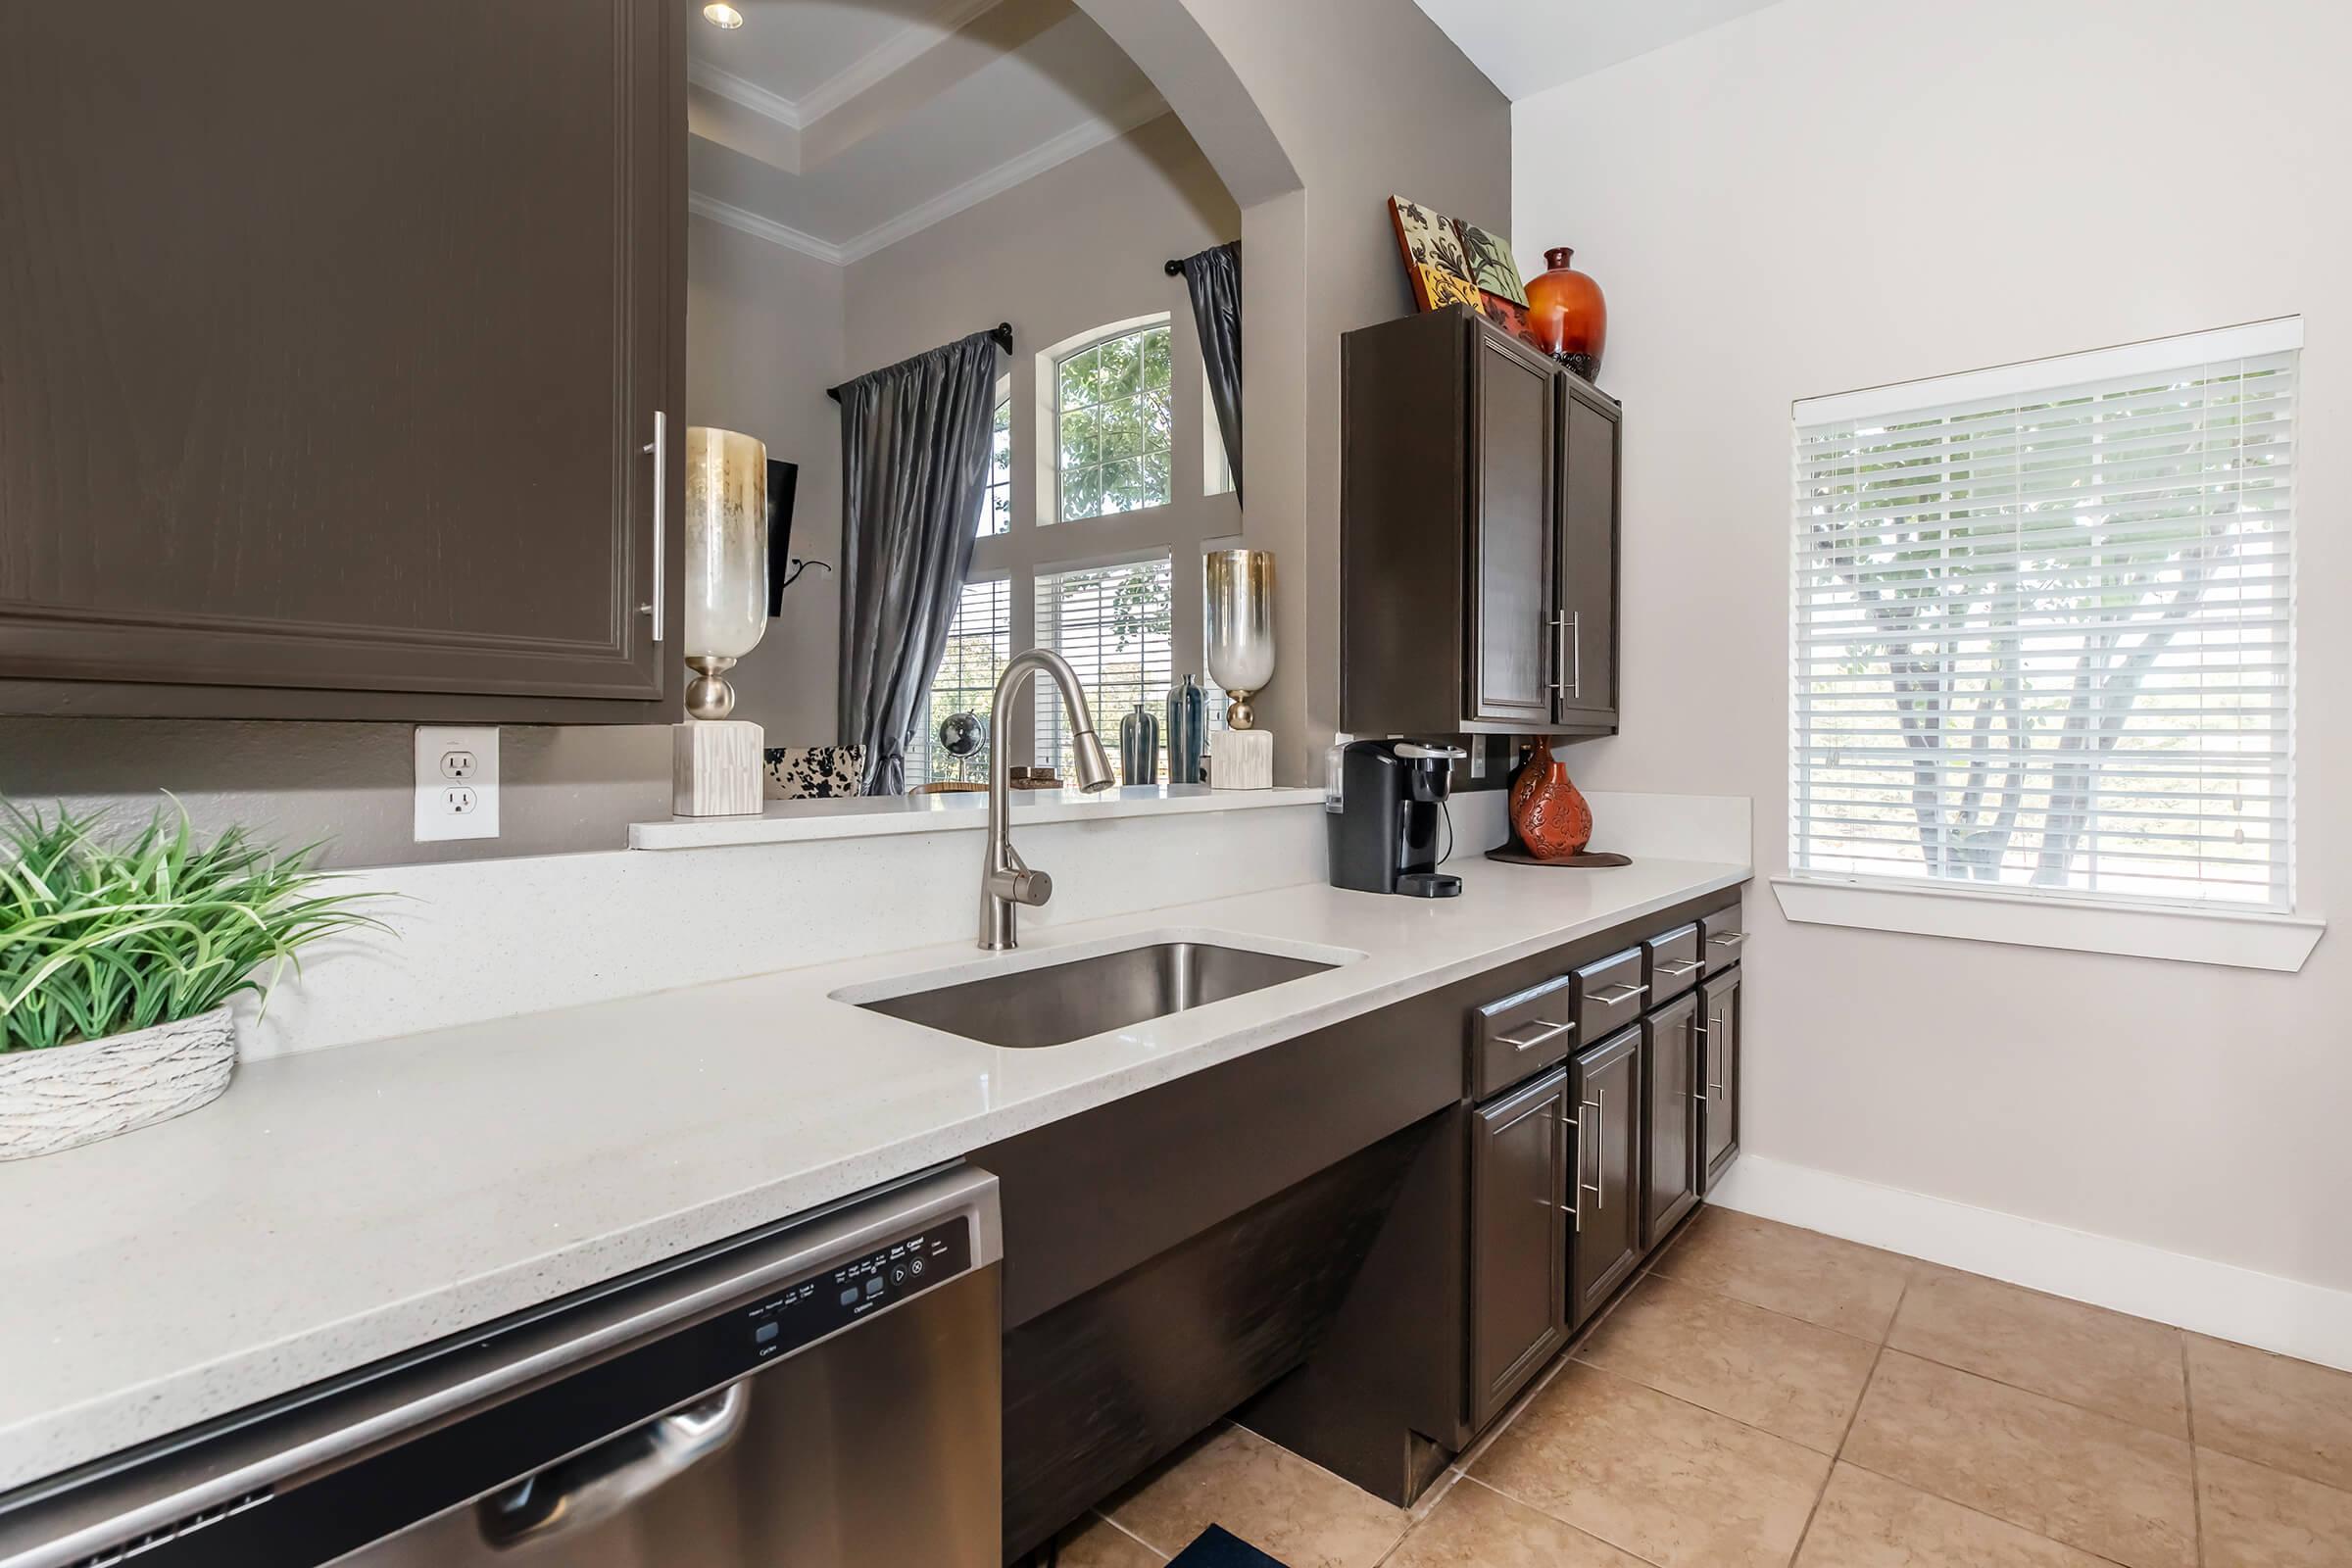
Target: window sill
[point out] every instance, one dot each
(2243, 940)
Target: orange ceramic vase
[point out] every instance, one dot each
(1567, 315)
(1549, 813)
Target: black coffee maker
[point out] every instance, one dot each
(1383, 800)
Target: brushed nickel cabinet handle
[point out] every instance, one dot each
(1559, 656)
(1726, 939)
(1576, 643)
(1626, 991)
(1601, 1111)
(1715, 1054)
(1544, 1034)
(658, 448)
(1679, 967)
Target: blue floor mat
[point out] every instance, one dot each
(1217, 1550)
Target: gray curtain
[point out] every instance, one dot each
(1213, 279)
(914, 453)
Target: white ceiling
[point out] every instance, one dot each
(837, 127)
(1525, 46)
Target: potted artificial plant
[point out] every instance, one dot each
(117, 962)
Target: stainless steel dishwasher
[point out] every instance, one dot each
(824, 1392)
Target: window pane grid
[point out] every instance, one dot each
(978, 647)
(996, 502)
(1113, 434)
(1112, 623)
(2042, 641)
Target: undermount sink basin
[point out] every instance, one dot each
(1057, 1002)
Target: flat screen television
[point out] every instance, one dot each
(782, 479)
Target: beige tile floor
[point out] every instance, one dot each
(1766, 1396)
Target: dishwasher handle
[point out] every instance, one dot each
(590, 1488)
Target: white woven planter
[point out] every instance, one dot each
(68, 1095)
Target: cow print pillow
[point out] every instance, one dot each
(815, 772)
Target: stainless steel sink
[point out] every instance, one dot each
(1057, 1002)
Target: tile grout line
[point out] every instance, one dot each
(1851, 1417)
(1534, 1508)
(1965, 1371)
(2197, 1489)
(1129, 1534)
(1982, 1513)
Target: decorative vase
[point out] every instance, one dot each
(1139, 747)
(1549, 813)
(1187, 730)
(1567, 313)
(64, 1095)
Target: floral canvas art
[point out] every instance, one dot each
(1433, 255)
(1491, 267)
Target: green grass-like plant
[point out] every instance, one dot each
(99, 939)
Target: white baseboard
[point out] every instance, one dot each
(2308, 1321)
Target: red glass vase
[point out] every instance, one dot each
(1567, 315)
(1549, 813)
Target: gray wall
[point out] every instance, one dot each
(763, 340)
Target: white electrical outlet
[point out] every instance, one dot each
(457, 782)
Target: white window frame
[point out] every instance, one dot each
(2221, 933)
(926, 739)
(1051, 398)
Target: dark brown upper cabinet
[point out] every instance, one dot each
(1478, 536)
(333, 346)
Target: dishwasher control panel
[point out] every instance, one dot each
(814, 1307)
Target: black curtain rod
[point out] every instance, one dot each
(1002, 332)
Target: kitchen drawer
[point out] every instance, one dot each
(1670, 962)
(1721, 937)
(1610, 994)
(1520, 1034)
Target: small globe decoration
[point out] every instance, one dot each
(960, 734)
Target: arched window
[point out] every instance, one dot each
(1115, 424)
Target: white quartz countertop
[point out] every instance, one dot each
(340, 1206)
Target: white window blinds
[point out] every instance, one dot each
(979, 646)
(2043, 627)
(1112, 623)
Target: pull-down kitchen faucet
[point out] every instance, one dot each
(1004, 881)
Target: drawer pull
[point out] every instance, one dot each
(1676, 968)
(1726, 939)
(1545, 1032)
(1626, 991)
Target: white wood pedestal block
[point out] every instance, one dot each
(1241, 759)
(714, 768)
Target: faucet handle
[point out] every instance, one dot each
(1020, 885)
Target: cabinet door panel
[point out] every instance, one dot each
(332, 337)
(1518, 1244)
(1605, 1241)
(1719, 1063)
(1670, 1052)
(1510, 653)
(1586, 557)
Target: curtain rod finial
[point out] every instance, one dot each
(1175, 269)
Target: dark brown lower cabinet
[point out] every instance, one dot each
(1518, 1239)
(1604, 1174)
(1670, 1051)
(1719, 1076)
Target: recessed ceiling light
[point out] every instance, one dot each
(721, 15)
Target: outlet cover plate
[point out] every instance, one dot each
(457, 782)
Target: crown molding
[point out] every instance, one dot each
(887, 59)
(746, 93)
(1081, 138)
(767, 229)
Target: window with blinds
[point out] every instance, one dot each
(2043, 629)
(1112, 623)
(979, 646)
